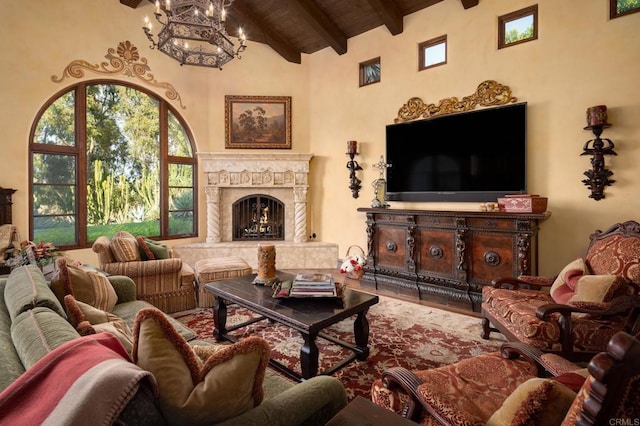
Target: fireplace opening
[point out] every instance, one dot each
(258, 217)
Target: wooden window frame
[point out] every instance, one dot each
(613, 10)
(422, 48)
(505, 19)
(362, 71)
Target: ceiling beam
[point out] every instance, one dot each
(321, 23)
(390, 15)
(469, 3)
(131, 3)
(277, 43)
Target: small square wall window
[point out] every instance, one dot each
(370, 72)
(432, 53)
(518, 27)
(619, 8)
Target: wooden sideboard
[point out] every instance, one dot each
(447, 257)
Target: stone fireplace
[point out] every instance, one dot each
(230, 178)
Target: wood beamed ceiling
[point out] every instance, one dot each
(294, 27)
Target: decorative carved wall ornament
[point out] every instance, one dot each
(124, 60)
(488, 93)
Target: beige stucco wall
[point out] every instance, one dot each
(581, 59)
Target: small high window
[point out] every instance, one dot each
(518, 27)
(370, 72)
(619, 8)
(432, 53)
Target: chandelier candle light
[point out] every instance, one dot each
(194, 32)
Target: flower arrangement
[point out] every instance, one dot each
(41, 253)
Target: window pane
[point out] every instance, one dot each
(61, 230)
(518, 29)
(179, 145)
(54, 169)
(53, 199)
(57, 124)
(181, 223)
(435, 54)
(181, 175)
(180, 199)
(123, 154)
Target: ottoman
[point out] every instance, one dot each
(219, 268)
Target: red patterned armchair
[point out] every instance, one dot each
(161, 279)
(582, 308)
(520, 386)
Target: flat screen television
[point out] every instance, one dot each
(469, 156)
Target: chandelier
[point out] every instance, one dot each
(194, 32)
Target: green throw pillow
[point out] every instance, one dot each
(159, 250)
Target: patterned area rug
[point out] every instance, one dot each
(400, 333)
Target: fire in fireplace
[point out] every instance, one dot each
(258, 217)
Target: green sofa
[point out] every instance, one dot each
(26, 294)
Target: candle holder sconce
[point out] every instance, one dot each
(353, 166)
(598, 177)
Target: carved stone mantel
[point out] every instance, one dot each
(272, 173)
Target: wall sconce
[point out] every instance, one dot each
(352, 165)
(598, 176)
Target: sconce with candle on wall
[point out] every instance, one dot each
(598, 177)
(353, 166)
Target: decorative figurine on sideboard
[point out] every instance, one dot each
(380, 186)
(353, 166)
(598, 177)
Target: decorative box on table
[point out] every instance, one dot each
(522, 203)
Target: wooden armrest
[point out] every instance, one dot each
(409, 382)
(514, 283)
(548, 364)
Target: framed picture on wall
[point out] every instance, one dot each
(257, 122)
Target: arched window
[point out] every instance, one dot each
(107, 156)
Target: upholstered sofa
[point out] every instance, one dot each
(161, 279)
(34, 325)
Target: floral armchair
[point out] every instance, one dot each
(161, 279)
(589, 301)
(519, 386)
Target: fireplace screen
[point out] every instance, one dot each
(258, 217)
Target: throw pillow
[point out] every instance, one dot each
(535, 402)
(89, 320)
(564, 285)
(89, 287)
(145, 252)
(159, 250)
(193, 391)
(124, 248)
(595, 289)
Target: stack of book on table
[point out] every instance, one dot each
(313, 285)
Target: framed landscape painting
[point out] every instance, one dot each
(262, 122)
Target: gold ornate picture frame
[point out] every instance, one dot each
(258, 122)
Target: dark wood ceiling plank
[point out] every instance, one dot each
(390, 15)
(321, 23)
(131, 3)
(469, 3)
(277, 43)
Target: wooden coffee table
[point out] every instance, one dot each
(308, 316)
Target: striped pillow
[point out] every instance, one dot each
(92, 288)
(125, 249)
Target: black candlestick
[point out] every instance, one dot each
(598, 177)
(354, 182)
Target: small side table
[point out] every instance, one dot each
(362, 412)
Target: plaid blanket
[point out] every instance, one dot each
(86, 381)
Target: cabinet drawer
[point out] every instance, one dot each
(492, 256)
(391, 248)
(437, 252)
